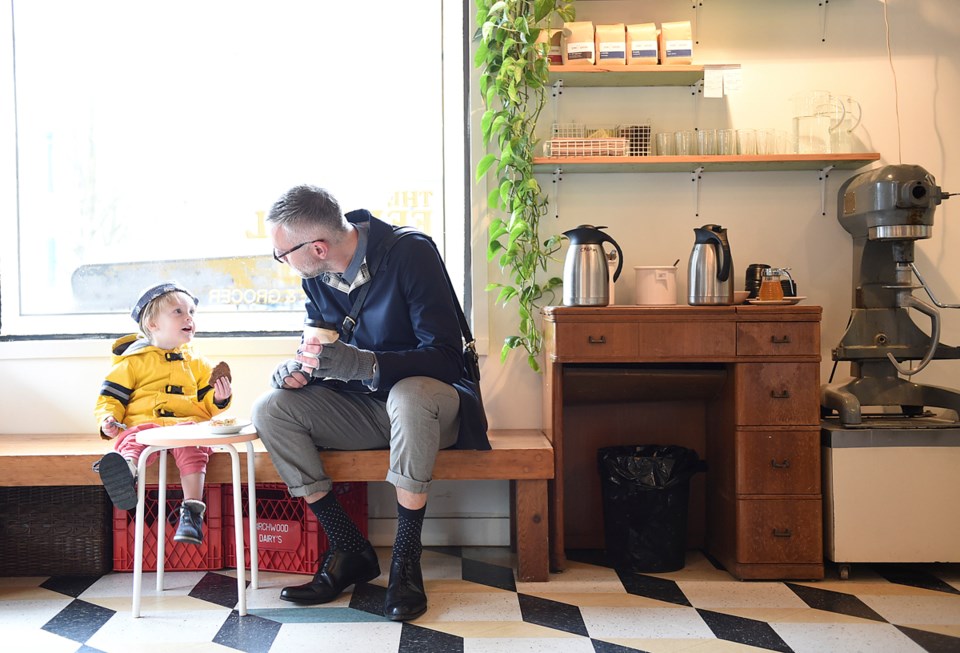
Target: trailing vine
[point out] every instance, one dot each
(514, 82)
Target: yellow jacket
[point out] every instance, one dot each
(158, 386)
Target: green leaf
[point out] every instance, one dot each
(484, 165)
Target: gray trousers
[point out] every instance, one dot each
(419, 417)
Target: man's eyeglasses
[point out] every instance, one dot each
(279, 257)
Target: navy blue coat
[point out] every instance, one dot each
(409, 320)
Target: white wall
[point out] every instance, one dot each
(50, 387)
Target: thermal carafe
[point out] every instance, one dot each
(585, 274)
(710, 273)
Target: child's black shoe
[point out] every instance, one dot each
(118, 480)
(190, 528)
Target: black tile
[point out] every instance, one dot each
(744, 631)
(488, 574)
(414, 639)
(552, 614)
(217, 589)
(370, 598)
(78, 621)
(251, 634)
(651, 587)
(914, 576)
(596, 557)
(932, 642)
(70, 585)
(455, 551)
(831, 601)
(607, 647)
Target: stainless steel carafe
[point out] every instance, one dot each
(710, 273)
(585, 274)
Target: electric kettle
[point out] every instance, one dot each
(585, 274)
(710, 274)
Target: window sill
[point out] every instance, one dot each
(95, 347)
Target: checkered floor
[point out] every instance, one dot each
(476, 606)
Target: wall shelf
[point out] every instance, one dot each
(632, 75)
(719, 163)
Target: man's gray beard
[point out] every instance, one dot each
(313, 274)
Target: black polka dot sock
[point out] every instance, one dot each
(340, 529)
(409, 527)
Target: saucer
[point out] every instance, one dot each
(236, 427)
(786, 301)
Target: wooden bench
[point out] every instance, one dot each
(524, 457)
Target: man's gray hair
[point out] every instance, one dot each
(304, 208)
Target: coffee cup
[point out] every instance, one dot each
(325, 332)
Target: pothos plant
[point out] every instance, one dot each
(514, 83)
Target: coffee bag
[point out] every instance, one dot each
(611, 42)
(676, 43)
(642, 44)
(578, 44)
(551, 40)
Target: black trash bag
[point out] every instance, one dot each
(646, 491)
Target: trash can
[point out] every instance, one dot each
(646, 491)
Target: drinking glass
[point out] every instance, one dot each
(685, 143)
(665, 143)
(746, 141)
(766, 141)
(707, 141)
(726, 141)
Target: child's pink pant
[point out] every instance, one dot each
(190, 460)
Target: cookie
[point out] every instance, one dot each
(221, 370)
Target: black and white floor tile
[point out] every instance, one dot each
(477, 606)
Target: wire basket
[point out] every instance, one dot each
(574, 139)
(638, 139)
(568, 130)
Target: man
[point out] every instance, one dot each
(395, 383)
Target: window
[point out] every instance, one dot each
(146, 141)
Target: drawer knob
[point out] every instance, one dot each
(780, 340)
(782, 394)
(784, 465)
(782, 532)
(602, 340)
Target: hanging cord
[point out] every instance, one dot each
(893, 70)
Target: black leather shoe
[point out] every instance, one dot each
(337, 571)
(406, 598)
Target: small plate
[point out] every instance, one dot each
(236, 427)
(786, 301)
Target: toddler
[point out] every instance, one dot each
(157, 380)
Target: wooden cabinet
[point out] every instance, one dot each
(768, 435)
(737, 383)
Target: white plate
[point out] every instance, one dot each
(236, 427)
(786, 301)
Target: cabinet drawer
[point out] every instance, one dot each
(778, 462)
(779, 531)
(778, 338)
(596, 341)
(777, 394)
(687, 340)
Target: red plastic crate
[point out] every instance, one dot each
(178, 556)
(290, 538)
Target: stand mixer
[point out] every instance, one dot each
(886, 210)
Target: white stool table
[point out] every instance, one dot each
(188, 435)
